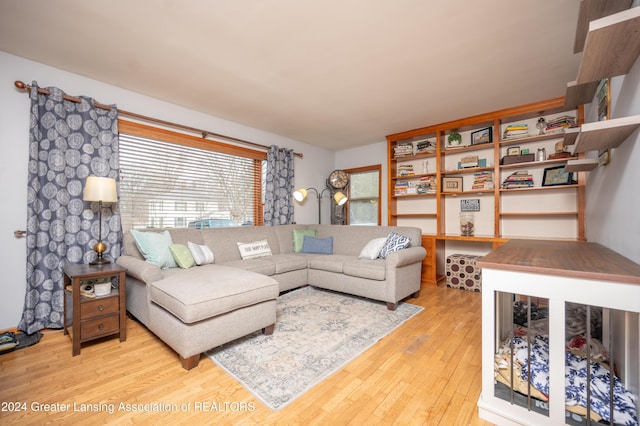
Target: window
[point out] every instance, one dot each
(364, 196)
(169, 179)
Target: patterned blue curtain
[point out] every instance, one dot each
(68, 141)
(278, 199)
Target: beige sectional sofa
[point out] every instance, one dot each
(196, 309)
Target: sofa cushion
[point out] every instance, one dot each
(289, 262)
(298, 238)
(330, 263)
(182, 255)
(199, 293)
(262, 265)
(366, 268)
(154, 246)
(317, 245)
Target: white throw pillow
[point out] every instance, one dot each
(372, 249)
(201, 254)
(254, 249)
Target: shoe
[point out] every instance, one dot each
(7, 341)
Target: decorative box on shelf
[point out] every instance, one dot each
(513, 159)
(482, 162)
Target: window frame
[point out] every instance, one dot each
(365, 169)
(170, 136)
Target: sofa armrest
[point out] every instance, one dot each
(138, 268)
(406, 256)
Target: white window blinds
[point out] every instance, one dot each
(165, 184)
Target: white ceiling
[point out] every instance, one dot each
(332, 73)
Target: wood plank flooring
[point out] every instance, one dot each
(425, 372)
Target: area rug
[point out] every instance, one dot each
(317, 332)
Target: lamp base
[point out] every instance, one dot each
(100, 261)
(100, 248)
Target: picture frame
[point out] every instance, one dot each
(513, 150)
(482, 136)
(472, 205)
(452, 184)
(554, 176)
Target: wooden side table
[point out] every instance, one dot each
(92, 318)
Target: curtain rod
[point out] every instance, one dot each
(23, 86)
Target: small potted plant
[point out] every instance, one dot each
(454, 138)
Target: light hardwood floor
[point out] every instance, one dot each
(425, 372)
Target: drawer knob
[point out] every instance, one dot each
(100, 308)
(100, 327)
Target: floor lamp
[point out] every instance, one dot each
(102, 190)
(301, 194)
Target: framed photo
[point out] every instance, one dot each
(513, 150)
(556, 176)
(482, 136)
(470, 205)
(452, 184)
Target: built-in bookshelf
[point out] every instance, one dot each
(478, 169)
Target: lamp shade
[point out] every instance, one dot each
(340, 198)
(300, 194)
(100, 189)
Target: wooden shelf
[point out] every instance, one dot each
(413, 176)
(591, 10)
(466, 148)
(570, 136)
(478, 238)
(611, 47)
(534, 138)
(527, 214)
(606, 134)
(414, 195)
(581, 165)
(415, 157)
(424, 215)
(469, 192)
(467, 170)
(533, 164)
(579, 94)
(539, 188)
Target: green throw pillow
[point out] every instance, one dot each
(182, 255)
(298, 238)
(154, 246)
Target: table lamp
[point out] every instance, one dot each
(100, 189)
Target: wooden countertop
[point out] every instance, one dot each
(564, 258)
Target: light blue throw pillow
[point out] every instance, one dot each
(154, 246)
(317, 245)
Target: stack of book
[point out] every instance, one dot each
(405, 170)
(559, 124)
(515, 131)
(403, 149)
(425, 146)
(401, 188)
(482, 180)
(427, 185)
(520, 179)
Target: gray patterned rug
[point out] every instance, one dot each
(317, 332)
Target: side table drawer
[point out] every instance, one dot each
(100, 326)
(99, 307)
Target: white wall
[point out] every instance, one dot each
(312, 170)
(613, 191)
